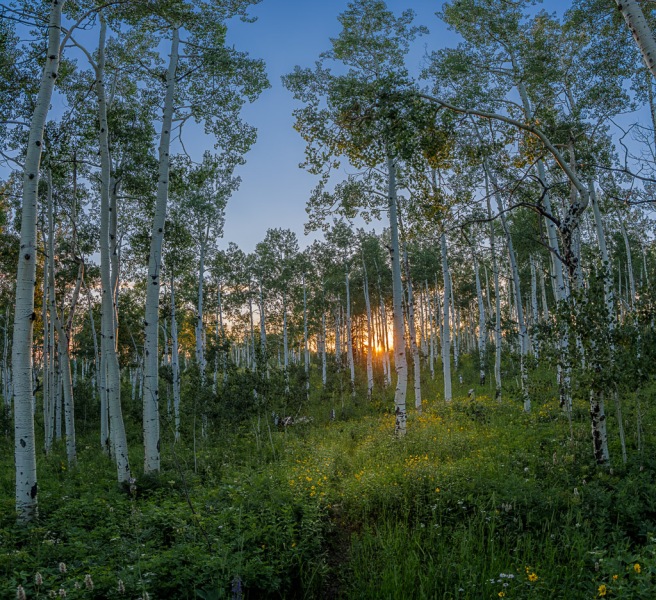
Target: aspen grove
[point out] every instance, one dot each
(444, 387)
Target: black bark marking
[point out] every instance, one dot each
(23, 443)
(27, 257)
(31, 175)
(33, 491)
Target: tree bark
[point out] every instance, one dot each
(400, 361)
(446, 334)
(24, 316)
(117, 440)
(151, 371)
(639, 28)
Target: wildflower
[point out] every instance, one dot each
(38, 579)
(532, 577)
(615, 577)
(502, 594)
(20, 593)
(62, 567)
(121, 587)
(88, 582)
(637, 568)
(62, 593)
(602, 590)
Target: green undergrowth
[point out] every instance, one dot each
(479, 500)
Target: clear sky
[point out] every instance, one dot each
(274, 189)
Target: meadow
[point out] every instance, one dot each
(479, 500)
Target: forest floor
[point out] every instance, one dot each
(478, 501)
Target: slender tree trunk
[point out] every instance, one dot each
(324, 378)
(349, 332)
(497, 297)
(306, 347)
(523, 333)
(534, 307)
(151, 372)
(431, 332)
(63, 333)
(24, 316)
(482, 334)
(47, 406)
(412, 330)
(446, 334)
(200, 346)
(370, 332)
(175, 363)
(109, 359)
(400, 362)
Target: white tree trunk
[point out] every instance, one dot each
(324, 379)
(431, 332)
(62, 332)
(523, 333)
(534, 307)
(200, 346)
(370, 333)
(117, 441)
(349, 333)
(400, 361)
(151, 371)
(642, 33)
(175, 363)
(412, 331)
(446, 335)
(497, 298)
(24, 317)
(306, 347)
(482, 333)
(47, 434)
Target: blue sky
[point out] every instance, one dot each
(274, 190)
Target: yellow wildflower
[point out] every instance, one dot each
(615, 577)
(502, 594)
(532, 577)
(637, 568)
(602, 590)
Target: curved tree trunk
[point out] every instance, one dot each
(24, 317)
